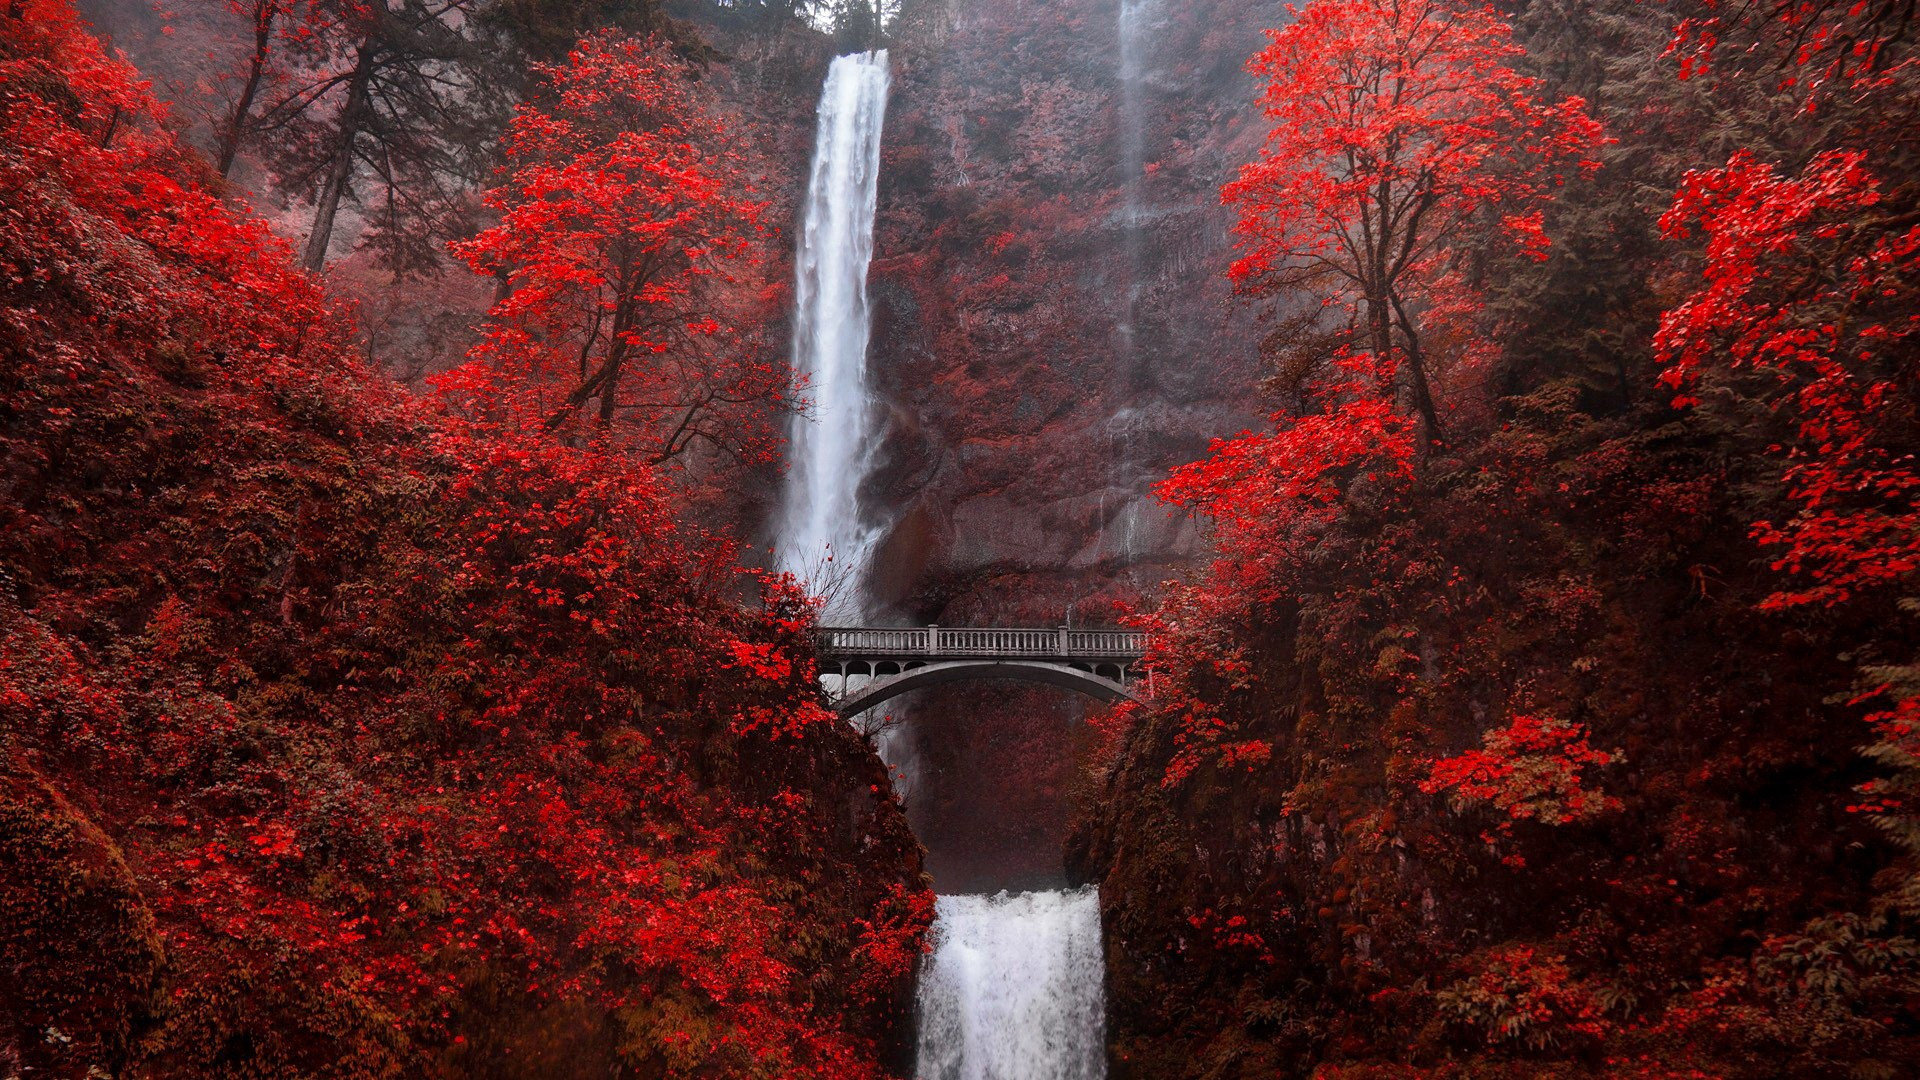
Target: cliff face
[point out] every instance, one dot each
(1052, 333)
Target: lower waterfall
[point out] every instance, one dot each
(1014, 989)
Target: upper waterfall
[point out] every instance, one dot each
(822, 538)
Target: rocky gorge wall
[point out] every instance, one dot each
(1049, 339)
(1049, 346)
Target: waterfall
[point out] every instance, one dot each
(822, 538)
(1133, 165)
(1132, 128)
(1013, 990)
(1133, 29)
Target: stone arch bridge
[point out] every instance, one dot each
(1103, 664)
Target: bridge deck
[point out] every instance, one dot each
(1099, 663)
(939, 642)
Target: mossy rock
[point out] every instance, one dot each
(272, 1023)
(505, 1035)
(78, 950)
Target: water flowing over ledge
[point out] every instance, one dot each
(1014, 989)
(823, 539)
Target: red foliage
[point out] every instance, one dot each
(382, 711)
(1822, 52)
(1522, 995)
(1267, 495)
(891, 943)
(624, 216)
(1396, 125)
(1805, 285)
(1269, 498)
(1530, 770)
(1407, 113)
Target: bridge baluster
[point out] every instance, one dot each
(869, 650)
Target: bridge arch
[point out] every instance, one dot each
(1081, 679)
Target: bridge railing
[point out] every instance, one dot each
(980, 641)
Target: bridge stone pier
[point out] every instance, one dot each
(1103, 664)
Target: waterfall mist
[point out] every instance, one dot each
(1133, 27)
(823, 538)
(1131, 30)
(1013, 990)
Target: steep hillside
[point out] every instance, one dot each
(341, 737)
(1524, 737)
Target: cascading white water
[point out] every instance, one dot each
(1013, 990)
(823, 539)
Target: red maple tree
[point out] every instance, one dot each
(624, 219)
(1396, 125)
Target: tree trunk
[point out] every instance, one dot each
(615, 358)
(229, 148)
(1412, 394)
(1380, 335)
(1428, 428)
(1386, 257)
(1417, 378)
(340, 170)
(603, 382)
